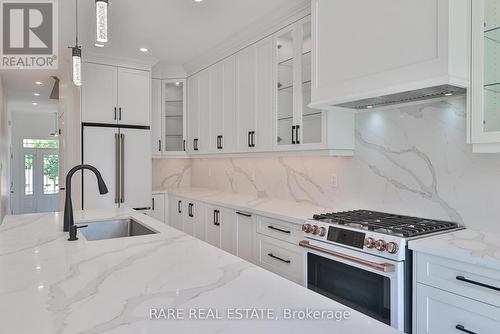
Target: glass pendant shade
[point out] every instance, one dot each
(102, 31)
(77, 65)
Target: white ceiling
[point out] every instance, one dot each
(174, 31)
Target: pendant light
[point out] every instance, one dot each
(76, 54)
(101, 15)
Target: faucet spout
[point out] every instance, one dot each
(68, 205)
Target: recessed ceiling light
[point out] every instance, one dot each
(198, 0)
(448, 94)
(36, 94)
(369, 107)
(143, 50)
(38, 83)
(34, 103)
(177, 83)
(99, 45)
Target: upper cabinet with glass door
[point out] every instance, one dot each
(169, 117)
(484, 118)
(298, 126)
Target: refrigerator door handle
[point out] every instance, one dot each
(122, 165)
(117, 168)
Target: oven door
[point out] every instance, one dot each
(369, 284)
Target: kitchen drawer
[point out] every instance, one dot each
(449, 275)
(280, 229)
(280, 257)
(441, 312)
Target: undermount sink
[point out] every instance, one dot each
(116, 228)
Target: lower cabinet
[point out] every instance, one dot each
(159, 210)
(267, 242)
(280, 257)
(452, 297)
(441, 312)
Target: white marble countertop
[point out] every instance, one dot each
(50, 285)
(474, 247)
(286, 210)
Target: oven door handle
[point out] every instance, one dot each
(385, 267)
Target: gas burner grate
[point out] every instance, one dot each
(386, 223)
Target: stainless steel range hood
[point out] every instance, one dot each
(404, 97)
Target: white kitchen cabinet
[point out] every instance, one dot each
(228, 230)
(136, 168)
(441, 312)
(116, 95)
(176, 208)
(245, 225)
(452, 296)
(193, 113)
(99, 94)
(484, 115)
(134, 96)
(169, 126)
(222, 106)
(254, 97)
(212, 227)
(388, 47)
(159, 210)
(199, 113)
(194, 219)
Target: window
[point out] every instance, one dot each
(28, 174)
(41, 143)
(50, 174)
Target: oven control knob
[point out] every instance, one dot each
(314, 229)
(380, 245)
(322, 231)
(306, 228)
(369, 242)
(392, 247)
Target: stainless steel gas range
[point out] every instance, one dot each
(361, 259)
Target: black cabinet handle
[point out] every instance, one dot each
(243, 214)
(114, 117)
(463, 279)
(249, 138)
(278, 258)
(120, 113)
(219, 142)
(143, 208)
(293, 134)
(195, 145)
(216, 218)
(152, 204)
(253, 138)
(159, 145)
(278, 229)
(179, 210)
(463, 329)
(190, 210)
(297, 140)
(184, 145)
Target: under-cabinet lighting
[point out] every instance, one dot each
(448, 94)
(101, 14)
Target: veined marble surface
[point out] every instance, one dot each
(411, 160)
(474, 247)
(49, 285)
(279, 209)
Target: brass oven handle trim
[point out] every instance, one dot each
(385, 267)
(122, 173)
(117, 168)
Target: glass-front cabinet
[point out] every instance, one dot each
(169, 117)
(297, 125)
(484, 116)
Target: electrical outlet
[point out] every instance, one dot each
(334, 182)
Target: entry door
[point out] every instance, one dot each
(39, 180)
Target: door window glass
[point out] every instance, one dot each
(28, 174)
(50, 174)
(40, 143)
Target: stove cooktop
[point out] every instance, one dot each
(386, 223)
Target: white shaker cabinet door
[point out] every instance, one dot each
(158, 207)
(99, 98)
(156, 118)
(245, 98)
(136, 168)
(228, 231)
(134, 96)
(264, 106)
(99, 150)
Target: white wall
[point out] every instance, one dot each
(4, 156)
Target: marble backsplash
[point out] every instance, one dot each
(411, 160)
